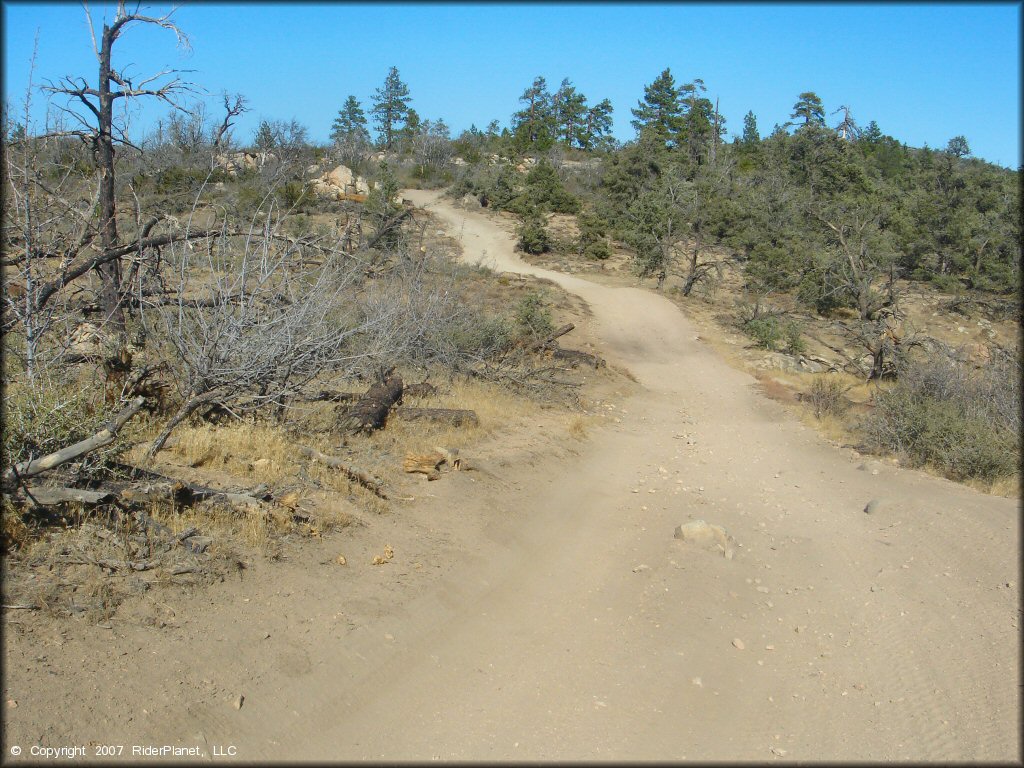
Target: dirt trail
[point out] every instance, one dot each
(588, 632)
(568, 623)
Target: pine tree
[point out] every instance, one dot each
(810, 108)
(597, 126)
(350, 122)
(266, 138)
(390, 107)
(750, 134)
(570, 108)
(660, 112)
(534, 124)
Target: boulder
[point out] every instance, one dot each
(471, 202)
(459, 161)
(341, 184)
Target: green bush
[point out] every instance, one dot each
(533, 318)
(764, 331)
(591, 242)
(965, 423)
(794, 341)
(599, 250)
(533, 235)
(294, 196)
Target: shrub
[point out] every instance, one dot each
(533, 318)
(533, 235)
(44, 417)
(794, 342)
(591, 242)
(827, 397)
(764, 331)
(294, 196)
(965, 423)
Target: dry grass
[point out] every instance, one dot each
(494, 405)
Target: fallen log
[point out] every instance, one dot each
(555, 335)
(372, 409)
(575, 357)
(365, 479)
(46, 496)
(101, 439)
(185, 493)
(454, 416)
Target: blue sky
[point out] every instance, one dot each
(924, 72)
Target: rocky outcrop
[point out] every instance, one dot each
(341, 184)
(238, 162)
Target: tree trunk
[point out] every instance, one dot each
(110, 272)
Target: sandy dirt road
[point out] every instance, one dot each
(565, 622)
(588, 632)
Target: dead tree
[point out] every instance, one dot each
(233, 107)
(102, 132)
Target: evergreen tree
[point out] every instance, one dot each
(597, 126)
(750, 134)
(958, 147)
(660, 111)
(872, 134)
(350, 123)
(570, 107)
(534, 125)
(390, 107)
(266, 139)
(809, 108)
(406, 135)
(700, 126)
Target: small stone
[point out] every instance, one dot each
(769, 647)
(738, 644)
(12, 704)
(873, 506)
(340, 560)
(239, 701)
(641, 567)
(698, 682)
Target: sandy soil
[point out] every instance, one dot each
(546, 611)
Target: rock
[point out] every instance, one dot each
(873, 506)
(341, 184)
(313, 170)
(641, 567)
(239, 701)
(458, 161)
(738, 644)
(340, 560)
(198, 544)
(471, 202)
(705, 535)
